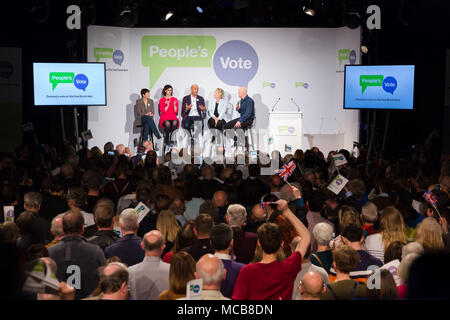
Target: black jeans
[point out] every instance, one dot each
(212, 124)
(149, 127)
(244, 125)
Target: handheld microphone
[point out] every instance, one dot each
(298, 108)
(276, 103)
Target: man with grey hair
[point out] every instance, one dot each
(211, 269)
(369, 215)
(56, 230)
(412, 247)
(323, 257)
(244, 243)
(128, 248)
(150, 277)
(246, 107)
(32, 203)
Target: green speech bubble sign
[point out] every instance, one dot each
(160, 52)
(103, 53)
(370, 81)
(60, 77)
(343, 54)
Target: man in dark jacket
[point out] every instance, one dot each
(77, 260)
(105, 236)
(202, 229)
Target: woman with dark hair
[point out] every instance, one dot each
(185, 238)
(144, 115)
(168, 108)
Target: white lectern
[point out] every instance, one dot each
(285, 131)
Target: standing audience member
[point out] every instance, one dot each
(185, 238)
(104, 218)
(76, 199)
(128, 248)
(182, 270)
(212, 271)
(168, 226)
(202, 229)
(114, 281)
(57, 230)
(311, 286)
(222, 243)
(369, 215)
(74, 250)
(150, 277)
(430, 235)
(323, 257)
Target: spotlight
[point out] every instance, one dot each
(199, 9)
(309, 11)
(364, 49)
(167, 15)
(128, 15)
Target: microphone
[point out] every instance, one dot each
(276, 104)
(298, 108)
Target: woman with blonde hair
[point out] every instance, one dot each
(392, 228)
(182, 268)
(168, 226)
(216, 110)
(429, 234)
(347, 216)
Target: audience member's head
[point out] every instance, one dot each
(393, 252)
(369, 213)
(32, 201)
(221, 237)
(73, 223)
(113, 280)
(348, 216)
(392, 226)
(185, 236)
(209, 207)
(36, 251)
(270, 237)
(203, 226)
(412, 247)
(153, 243)
(220, 198)
(388, 289)
(345, 259)
(182, 270)
(167, 224)
(236, 215)
(323, 233)
(128, 221)
(211, 270)
(104, 216)
(177, 207)
(56, 227)
(405, 266)
(76, 197)
(429, 234)
(9, 232)
(311, 286)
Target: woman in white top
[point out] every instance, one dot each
(216, 110)
(392, 228)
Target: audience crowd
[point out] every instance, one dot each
(248, 236)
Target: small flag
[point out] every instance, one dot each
(286, 170)
(264, 205)
(430, 198)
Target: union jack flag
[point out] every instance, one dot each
(264, 205)
(430, 198)
(286, 170)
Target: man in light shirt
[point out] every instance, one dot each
(193, 108)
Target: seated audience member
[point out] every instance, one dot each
(120, 186)
(221, 201)
(202, 229)
(307, 266)
(433, 286)
(182, 270)
(323, 257)
(76, 199)
(345, 259)
(32, 203)
(271, 279)
(104, 218)
(93, 183)
(128, 248)
(430, 235)
(388, 289)
(88, 257)
(353, 237)
(113, 280)
(168, 226)
(185, 238)
(392, 228)
(256, 219)
(178, 207)
(311, 286)
(222, 244)
(150, 277)
(369, 215)
(244, 243)
(211, 269)
(57, 230)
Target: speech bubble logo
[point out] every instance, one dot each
(118, 57)
(343, 54)
(161, 52)
(81, 81)
(60, 77)
(268, 84)
(301, 84)
(352, 57)
(390, 84)
(235, 63)
(370, 81)
(6, 69)
(102, 53)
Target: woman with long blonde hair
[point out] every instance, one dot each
(392, 228)
(168, 226)
(429, 234)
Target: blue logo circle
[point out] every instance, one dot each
(352, 57)
(81, 81)
(389, 84)
(118, 57)
(235, 63)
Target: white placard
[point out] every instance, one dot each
(142, 211)
(339, 160)
(392, 267)
(8, 212)
(194, 289)
(337, 184)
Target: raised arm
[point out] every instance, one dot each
(302, 231)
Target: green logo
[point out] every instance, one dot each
(301, 84)
(161, 52)
(60, 77)
(370, 81)
(268, 84)
(103, 53)
(343, 54)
